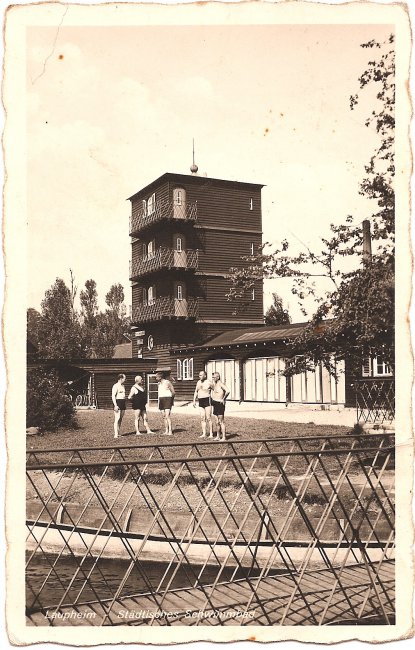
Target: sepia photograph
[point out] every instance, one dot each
(206, 208)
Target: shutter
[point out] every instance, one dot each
(179, 369)
(191, 368)
(366, 367)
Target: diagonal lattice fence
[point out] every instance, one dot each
(375, 400)
(271, 532)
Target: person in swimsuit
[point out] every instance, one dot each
(118, 399)
(166, 395)
(138, 397)
(219, 394)
(202, 394)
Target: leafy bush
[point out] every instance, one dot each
(48, 405)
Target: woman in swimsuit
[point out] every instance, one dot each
(118, 399)
(202, 394)
(166, 395)
(138, 397)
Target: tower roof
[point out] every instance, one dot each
(192, 178)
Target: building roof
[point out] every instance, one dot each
(192, 178)
(253, 335)
(123, 351)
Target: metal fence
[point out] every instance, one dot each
(375, 400)
(265, 532)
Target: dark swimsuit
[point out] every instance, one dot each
(139, 400)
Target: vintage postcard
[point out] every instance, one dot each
(208, 420)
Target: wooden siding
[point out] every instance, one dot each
(222, 206)
(137, 295)
(214, 304)
(223, 250)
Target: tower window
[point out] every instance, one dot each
(251, 204)
(179, 197)
(151, 204)
(179, 244)
(151, 296)
(252, 248)
(151, 249)
(179, 292)
(253, 294)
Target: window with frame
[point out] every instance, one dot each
(151, 249)
(252, 248)
(179, 292)
(251, 203)
(375, 367)
(151, 295)
(144, 207)
(184, 369)
(252, 294)
(179, 244)
(151, 204)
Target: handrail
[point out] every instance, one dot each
(164, 258)
(205, 459)
(214, 443)
(139, 219)
(166, 306)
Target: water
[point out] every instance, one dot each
(46, 584)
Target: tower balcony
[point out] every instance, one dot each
(164, 258)
(166, 307)
(163, 211)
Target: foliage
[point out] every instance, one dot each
(276, 314)
(63, 333)
(47, 404)
(352, 312)
(33, 318)
(60, 333)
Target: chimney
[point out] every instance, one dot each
(367, 241)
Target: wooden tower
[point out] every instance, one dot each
(186, 232)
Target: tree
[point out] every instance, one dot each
(89, 314)
(47, 404)
(33, 318)
(352, 312)
(115, 299)
(276, 314)
(60, 335)
(113, 324)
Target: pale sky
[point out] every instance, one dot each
(113, 108)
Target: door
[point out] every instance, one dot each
(229, 374)
(180, 302)
(179, 253)
(179, 203)
(263, 380)
(152, 389)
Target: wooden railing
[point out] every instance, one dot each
(259, 532)
(164, 258)
(139, 220)
(166, 307)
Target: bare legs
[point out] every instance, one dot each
(118, 416)
(206, 421)
(138, 413)
(221, 427)
(167, 422)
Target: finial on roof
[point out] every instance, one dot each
(194, 168)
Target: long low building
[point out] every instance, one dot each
(251, 362)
